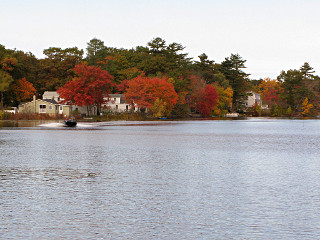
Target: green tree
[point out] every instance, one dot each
(57, 67)
(5, 80)
(307, 70)
(294, 88)
(232, 67)
(95, 51)
(206, 68)
(157, 45)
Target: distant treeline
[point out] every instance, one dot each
(201, 85)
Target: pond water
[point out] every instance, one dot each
(246, 179)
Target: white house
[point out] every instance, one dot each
(118, 103)
(252, 99)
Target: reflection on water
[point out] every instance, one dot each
(253, 179)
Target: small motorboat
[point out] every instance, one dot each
(70, 123)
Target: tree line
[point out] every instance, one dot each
(159, 77)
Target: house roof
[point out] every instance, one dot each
(116, 95)
(51, 93)
(121, 96)
(50, 101)
(44, 100)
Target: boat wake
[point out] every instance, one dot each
(62, 125)
(52, 125)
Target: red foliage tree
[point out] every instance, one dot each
(270, 91)
(90, 87)
(122, 87)
(23, 90)
(145, 91)
(207, 102)
(196, 90)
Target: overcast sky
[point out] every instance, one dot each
(272, 35)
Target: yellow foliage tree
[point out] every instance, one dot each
(159, 109)
(225, 100)
(306, 106)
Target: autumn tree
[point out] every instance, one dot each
(8, 63)
(23, 90)
(224, 103)
(195, 89)
(306, 107)
(207, 101)
(90, 87)
(156, 94)
(202, 97)
(270, 91)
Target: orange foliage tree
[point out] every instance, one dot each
(23, 90)
(90, 87)
(270, 91)
(8, 63)
(156, 94)
(306, 106)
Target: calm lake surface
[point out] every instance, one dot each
(246, 179)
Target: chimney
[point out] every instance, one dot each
(34, 103)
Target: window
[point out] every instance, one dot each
(43, 108)
(117, 107)
(61, 108)
(50, 107)
(57, 107)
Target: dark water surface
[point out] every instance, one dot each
(250, 179)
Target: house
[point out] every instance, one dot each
(51, 95)
(252, 99)
(51, 104)
(47, 106)
(12, 110)
(117, 103)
